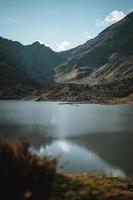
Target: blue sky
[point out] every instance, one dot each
(60, 24)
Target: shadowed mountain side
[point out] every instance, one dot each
(19, 62)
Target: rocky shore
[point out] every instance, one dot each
(113, 93)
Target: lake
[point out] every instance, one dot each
(84, 137)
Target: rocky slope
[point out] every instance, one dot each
(107, 57)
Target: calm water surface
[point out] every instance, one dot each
(84, 138)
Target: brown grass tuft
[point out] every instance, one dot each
(23, 175)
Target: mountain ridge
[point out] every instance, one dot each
(95, 53)
(105, 58)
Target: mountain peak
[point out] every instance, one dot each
(40, 45)
(37, 43)
(107, 57)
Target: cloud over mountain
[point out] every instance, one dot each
(62, 46)
(112, 18)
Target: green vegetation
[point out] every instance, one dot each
(26, 176)
(103, 93)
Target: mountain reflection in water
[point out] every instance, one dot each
(87, 138)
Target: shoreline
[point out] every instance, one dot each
(90, 186)
(110, 94)
(115, 101)
(39, 178)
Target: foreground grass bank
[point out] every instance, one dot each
(93, 187)
(26, 176)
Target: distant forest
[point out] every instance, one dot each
(66, 92)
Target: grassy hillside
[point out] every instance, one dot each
(103, 93)
(107, 57)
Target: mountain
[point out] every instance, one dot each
(19, 62)
(107, 57)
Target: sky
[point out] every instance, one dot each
(59, 24)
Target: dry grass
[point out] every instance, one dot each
(23, 175)
(26, 176)
(92, 187)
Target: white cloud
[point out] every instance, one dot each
(62, 46)
(43, 42)
(112, 18)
